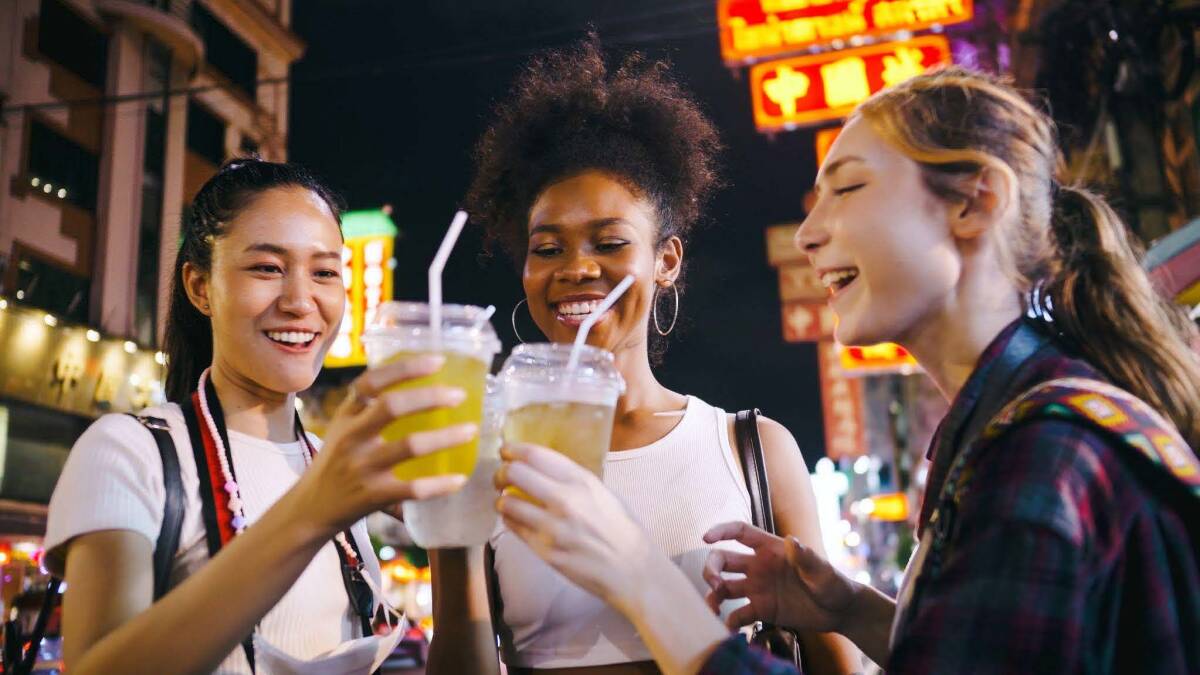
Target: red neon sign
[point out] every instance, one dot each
(807, 90)
(752, 30)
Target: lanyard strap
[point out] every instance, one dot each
(218, 519)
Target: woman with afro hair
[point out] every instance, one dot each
(587, 175)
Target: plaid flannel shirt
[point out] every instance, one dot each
(1065, 557)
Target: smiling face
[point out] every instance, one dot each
(879, 239)
(586, 233)
(275, 292)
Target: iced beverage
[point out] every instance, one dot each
(570, 411)
(402, 331)
(581, 431)
(466, 517)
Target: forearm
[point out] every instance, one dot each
(227, 597)
(868, 624)
(464, 640)
(672, 619)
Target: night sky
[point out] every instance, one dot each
(390, 97)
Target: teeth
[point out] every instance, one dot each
(291, 336)
(578, 308)
(837, 278)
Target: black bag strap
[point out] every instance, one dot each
(165, 547)
(173, 505)
(28, 660)
(754, 468)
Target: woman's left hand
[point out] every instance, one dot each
(577, 526)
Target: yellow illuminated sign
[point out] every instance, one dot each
(807, 90)
(367, 265)
(752, 30)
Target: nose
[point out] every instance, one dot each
(578, 268)
(812, 233)
(296, 295)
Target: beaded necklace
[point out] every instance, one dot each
(214, 463)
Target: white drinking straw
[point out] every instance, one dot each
(581, 336)
(483, 317)
(435, 274)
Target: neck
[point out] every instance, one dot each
(251, 409)
(948, 344)
(642, 389)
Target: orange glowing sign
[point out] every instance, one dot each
(807, 90)
(824, 141)
(891, 507)
(752, 30)
(367, 265)
(876, 359)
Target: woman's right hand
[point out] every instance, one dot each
(786, 583)
(351, 476)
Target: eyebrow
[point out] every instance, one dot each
(263, 247)
(553, 228)
(837, 164)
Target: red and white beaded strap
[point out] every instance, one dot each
(234, 503)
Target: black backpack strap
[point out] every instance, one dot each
(173, 505)
(754, 468)
(495, 601)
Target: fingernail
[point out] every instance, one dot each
(455, 396)
(433, 361)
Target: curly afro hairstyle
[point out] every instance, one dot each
(568, 113)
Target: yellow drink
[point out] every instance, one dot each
(581, 431)
(464, 372)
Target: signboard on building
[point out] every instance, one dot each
(73, 368)
(808, 321)
(880, 359)
(753, 30)
(807, 90)
(842, 405)
(801, 283)
(367, 265)
(824, 141)
(781, 245)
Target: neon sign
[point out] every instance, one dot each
(367, 265)
(807, 90)
(877, 359)
(752, 30)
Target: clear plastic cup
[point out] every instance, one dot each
(570, 411)
(468, 342)
(466, 517)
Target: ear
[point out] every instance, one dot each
(990, 195)
(669, 262)
(195, 284)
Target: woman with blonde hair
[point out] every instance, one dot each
(1061, 520)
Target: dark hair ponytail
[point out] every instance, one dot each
(1105, 303)
(188, 341)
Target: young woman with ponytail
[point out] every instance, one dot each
(272, 556)
(1060, 527)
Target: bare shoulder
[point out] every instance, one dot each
(780, 450)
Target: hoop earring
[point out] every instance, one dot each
(514, 321)
(674, 317)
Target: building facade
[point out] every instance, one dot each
(112, 114)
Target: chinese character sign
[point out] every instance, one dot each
(842, 405)
(810, 89)
(367, 271)
(753, 30)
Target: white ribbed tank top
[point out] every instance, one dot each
(677, 488)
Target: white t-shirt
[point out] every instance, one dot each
(677, 488)
(113, 480)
